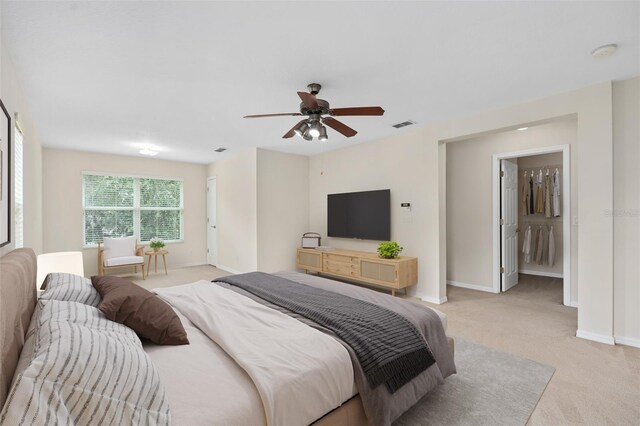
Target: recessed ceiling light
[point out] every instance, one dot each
(523, 128)
(148, 151)
(604, 51)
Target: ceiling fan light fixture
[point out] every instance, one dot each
(323, 134)
(307, 136)
(301, 130)
(314, 129)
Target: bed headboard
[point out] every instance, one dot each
(17, 302)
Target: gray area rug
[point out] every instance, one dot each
(491, 388)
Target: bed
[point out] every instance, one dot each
(209, 384)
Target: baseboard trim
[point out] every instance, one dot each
(600, 338)
(471, 286)
(541, 273)
(573, 304)
(433, 300)
(629, 341)
(227, 269)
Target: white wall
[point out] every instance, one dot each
(237, 222)
(283, 208)
(413, 165)
(469, 197)
(394, 164)
(263, 209)
(626, 210)
(62, 175)
(14, 101)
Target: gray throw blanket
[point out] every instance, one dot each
(389, 348)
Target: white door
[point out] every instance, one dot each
(509, 224)
(212, 230)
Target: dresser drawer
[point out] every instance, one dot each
(343, 268)
(340, 258)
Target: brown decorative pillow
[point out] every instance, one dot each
(139, 309)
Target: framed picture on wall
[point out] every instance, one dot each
(5, 176)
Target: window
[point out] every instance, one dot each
(122, 206)
(19, 188)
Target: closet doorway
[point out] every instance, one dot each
(532, 220)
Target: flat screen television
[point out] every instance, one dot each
(363, 215)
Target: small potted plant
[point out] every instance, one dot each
(156, 244)
(389, 249)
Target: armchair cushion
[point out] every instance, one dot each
(124, 260)
(119, 247)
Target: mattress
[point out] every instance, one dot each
(203, 383)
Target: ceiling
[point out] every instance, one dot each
(113, 76)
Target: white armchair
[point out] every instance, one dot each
(120, 252)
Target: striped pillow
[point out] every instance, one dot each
(85, 370)
(70, 288)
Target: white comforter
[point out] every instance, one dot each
(300, 373)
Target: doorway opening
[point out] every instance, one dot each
(531, 212)
(212, 217)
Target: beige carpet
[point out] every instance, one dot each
(593, 384)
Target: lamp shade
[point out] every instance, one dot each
(301, 129)
(323, 134)
(65, 261)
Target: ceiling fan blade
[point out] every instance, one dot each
(292, 132)
(308, 100)
(339, 126)
(370, 110)
(272, 115)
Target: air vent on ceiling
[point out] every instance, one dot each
(404, 124)
(221, 149)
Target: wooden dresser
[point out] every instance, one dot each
(361, 266)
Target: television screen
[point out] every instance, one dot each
(364, 215)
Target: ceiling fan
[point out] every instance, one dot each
(318, 114)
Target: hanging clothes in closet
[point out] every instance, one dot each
(525, 195)
(526, 247)
(540, 246)
(538, 184)
(531, 203)
(547, 195)
(552, 247)
(555, 188)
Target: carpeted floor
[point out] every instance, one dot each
(491, 388)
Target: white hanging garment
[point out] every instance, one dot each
(526, 247)
(555, 193)
(552, 247)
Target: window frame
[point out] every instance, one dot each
(136, 205)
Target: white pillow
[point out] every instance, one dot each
(119, 247)
(85, 370)
(70, 288)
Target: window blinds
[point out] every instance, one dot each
(160, 209)
(119, 206)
